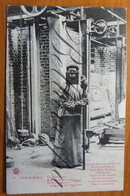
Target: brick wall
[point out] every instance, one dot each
(16, 51)
(10, 115)
(44, 78)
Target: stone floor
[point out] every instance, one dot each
(36, 161)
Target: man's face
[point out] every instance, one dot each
(72, 76)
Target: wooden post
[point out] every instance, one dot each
(118, 75)
(35, 81)
(8, 126)
(123, 71)
(29, 79)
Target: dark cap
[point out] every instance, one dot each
(72, 66)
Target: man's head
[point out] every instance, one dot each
(72, 75)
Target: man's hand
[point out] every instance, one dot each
(69, 104)
(84, 82)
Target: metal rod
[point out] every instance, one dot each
(88, 54)
(85, 57)
(65, 10)
(82, 13)
(86, 72)
(110, 12)
(61, 8)
(84, 126)
(99, 42)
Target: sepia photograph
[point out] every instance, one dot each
(65, 99)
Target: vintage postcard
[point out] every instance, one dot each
(65, 99)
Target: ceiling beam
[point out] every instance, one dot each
(18, 17)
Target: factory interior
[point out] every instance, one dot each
(41, 43)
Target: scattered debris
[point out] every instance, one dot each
(112, 136)
(13, 142)
(9, 162)
(44, 139)
(35, 136)
(29, 142)
(23, 134)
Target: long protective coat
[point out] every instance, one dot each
(68, 140)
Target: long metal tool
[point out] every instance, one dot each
(86, 53)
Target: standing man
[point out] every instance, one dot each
(68, 140)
